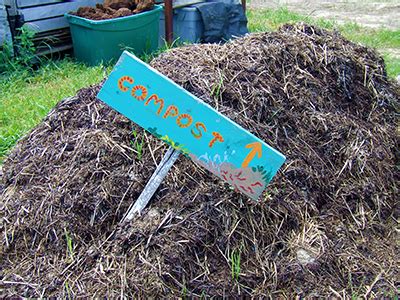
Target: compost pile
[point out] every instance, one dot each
(326, 224)
(111, 9)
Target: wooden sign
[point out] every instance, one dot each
(191, 126)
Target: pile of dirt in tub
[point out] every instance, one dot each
(326, 226)
(111, 9)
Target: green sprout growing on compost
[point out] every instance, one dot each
(67, 290)
(70, 247)
(138, 145)
(216, 89)
(235, 264)
(184, 291)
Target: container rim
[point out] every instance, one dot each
(155, 9)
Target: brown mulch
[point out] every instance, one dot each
(326, 226)
(112, 9)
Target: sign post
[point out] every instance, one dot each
(190, 126)
(154, 182)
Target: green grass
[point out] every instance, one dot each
(384, 40)
(272, 19)
(138, 144)
(235, 264)
(269, 20)
(70, 245)
(392, 64)
(27, 97)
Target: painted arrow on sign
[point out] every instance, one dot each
(191, 126)
(256, 149)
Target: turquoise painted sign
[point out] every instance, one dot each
(191, 126)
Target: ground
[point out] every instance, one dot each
(326, 226)
(371, 14)
(384, 13)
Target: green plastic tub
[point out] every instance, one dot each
(103, 41)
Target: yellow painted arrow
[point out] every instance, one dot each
(256, 148)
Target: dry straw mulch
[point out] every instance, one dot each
(326, 225)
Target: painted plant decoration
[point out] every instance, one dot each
(251, 181)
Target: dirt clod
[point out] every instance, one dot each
(326, 226)
(111, 9)
(117, 4)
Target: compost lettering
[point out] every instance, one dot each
(184, 120)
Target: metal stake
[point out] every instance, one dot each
(154, 182)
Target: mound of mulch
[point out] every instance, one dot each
(114, 9)
(326, 224)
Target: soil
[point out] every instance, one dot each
(326, 225)
(368, 13)
(114, 9)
